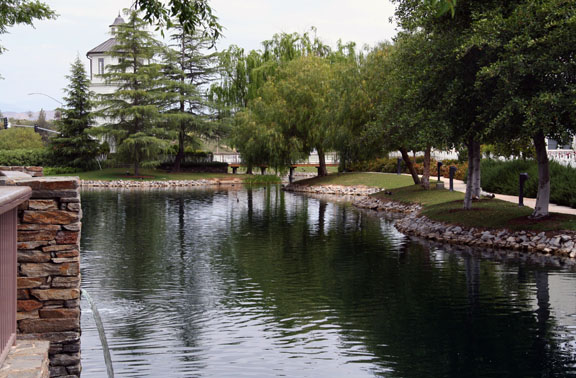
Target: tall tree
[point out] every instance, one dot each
(188, 68)
(132, 111)
(295, 106)
(534, 73)
(74, 147)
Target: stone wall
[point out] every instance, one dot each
(356, 190)
(49, 270)
(556, 243)
(32, 171)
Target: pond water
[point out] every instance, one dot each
(262, 283)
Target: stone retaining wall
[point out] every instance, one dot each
(49, 270)
(359, 190)
(156, 184)
(553, 243)
(32, 171)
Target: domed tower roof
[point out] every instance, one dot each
(118, 21)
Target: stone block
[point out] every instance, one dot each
(32, 244)
(49, 183)
(58, 371)
(50, 217)
(60, 260)
(73, 226)
(66, 282)
(38, 227)
(74, 206)
(24, 236)
(70, 199)
(73, 303)
(30, 283)
(59, 337)
(27, 315)
(71, 348)
(48, 325)
(59, 313)
(65, 359)
(54, 248)
(33, 256)
(67, 254)
(68, 237)
(28, 305)
(49, 269)
(55, 294)
(61, 194)
(22, 294)
(38, 204)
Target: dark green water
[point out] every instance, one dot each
(261, 283)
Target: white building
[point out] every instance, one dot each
(100, 58)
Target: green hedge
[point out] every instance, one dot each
(32, 157)
(502, 177)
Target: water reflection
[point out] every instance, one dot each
(259, 282)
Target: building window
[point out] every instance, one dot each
(100, 66)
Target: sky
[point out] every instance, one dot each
(39, 57)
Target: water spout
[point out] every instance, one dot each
(102, 334)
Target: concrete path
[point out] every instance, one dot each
(460, 186)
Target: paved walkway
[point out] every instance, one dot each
(460, 186)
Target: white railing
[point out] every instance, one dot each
(235, 158)
(564, 157)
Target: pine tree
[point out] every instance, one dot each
(132, 111)
(74, 147)
(188, 69)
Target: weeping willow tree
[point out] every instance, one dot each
(133, 116)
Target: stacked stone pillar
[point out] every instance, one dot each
(49, 270)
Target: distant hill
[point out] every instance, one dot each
(30, 116)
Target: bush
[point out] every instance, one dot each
(502, 177)
(48, 171)
(18, 138)
(29, 157)
(261, 179)
(389, 165)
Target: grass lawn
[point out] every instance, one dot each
(149, 174)
(446, 206)
(386, 181)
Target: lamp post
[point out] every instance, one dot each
(44, 94)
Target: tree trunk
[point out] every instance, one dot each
(471, 172)
(410, 166)
(543, 196)
(180, 154)
(249, 169)
(426, 175)
(476, 182)
(136, 168)
(322, 162)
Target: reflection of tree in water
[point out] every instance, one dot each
(419, 318)
(316, 263)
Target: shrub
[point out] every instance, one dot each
(261, 179)
(18, 138)
(389, 165)
(28, 157)
(48, 171)
(502, 177)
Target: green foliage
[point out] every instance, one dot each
(74, 147)
(132, 110)
(28, 157)
(16, 12)
(261, 179)
(193, 16)
(50, 171)
(502, 177)
(194, 164)
(17, 138)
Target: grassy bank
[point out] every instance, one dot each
(379, 180)
(446, 206)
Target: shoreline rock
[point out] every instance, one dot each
(156, 184)
(551, 243)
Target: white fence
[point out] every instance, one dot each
(564, 157)
(235, 158)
